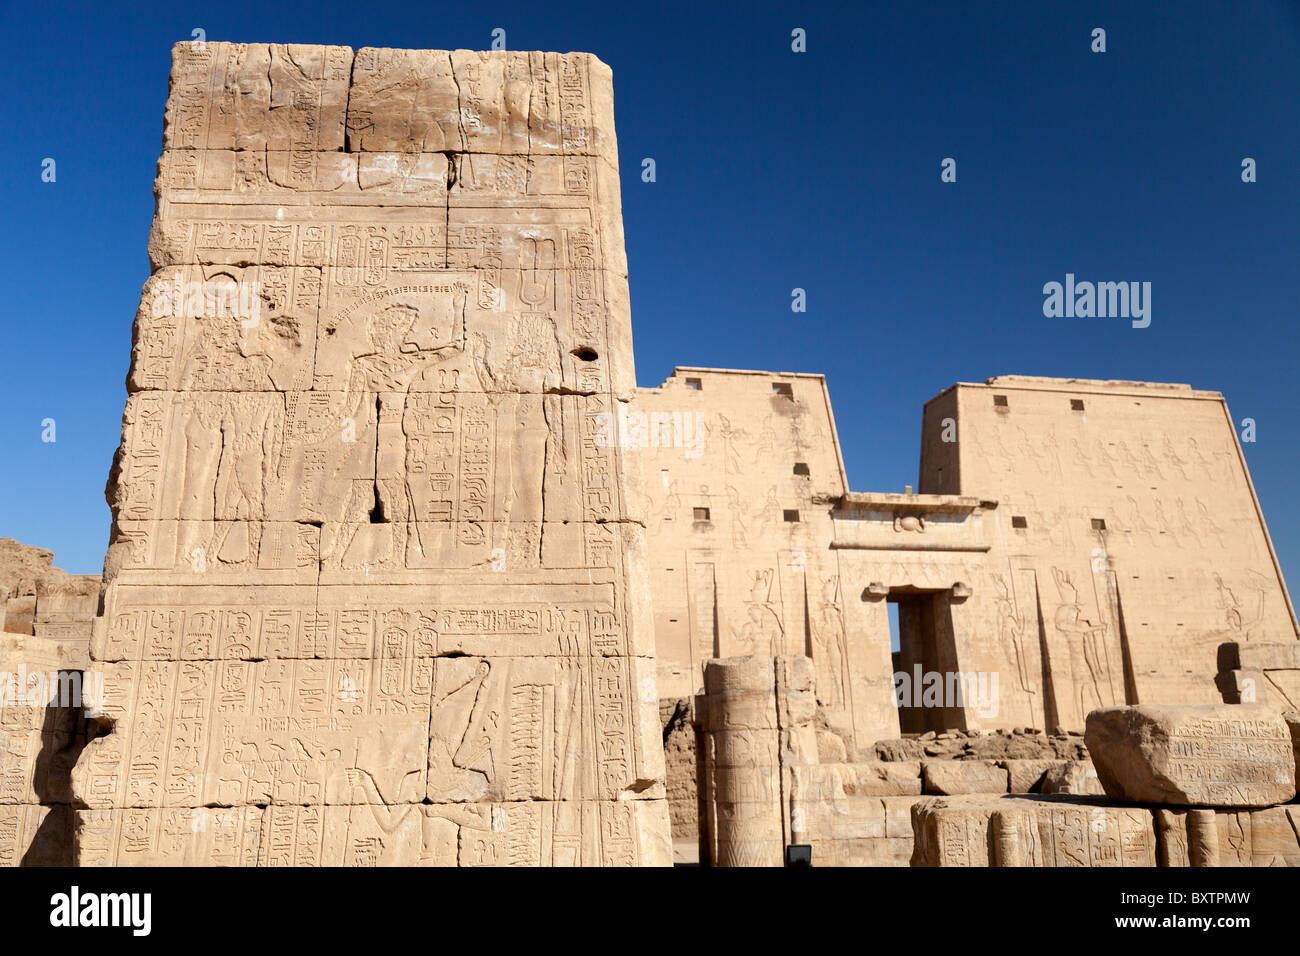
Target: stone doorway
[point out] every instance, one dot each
(925, 663)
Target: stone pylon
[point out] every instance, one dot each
(376, 591)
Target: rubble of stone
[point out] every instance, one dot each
(1015, 744)
(767, 784)
(1184, 786)
(24, 569)
(772, 775)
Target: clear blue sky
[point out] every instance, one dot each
(775, 170)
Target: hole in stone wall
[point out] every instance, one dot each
(790, 514)
(701, 514)
(585, 354)
(801, 468)
(1017, 521)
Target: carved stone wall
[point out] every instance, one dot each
(739, 468)
(43, 731)
(43, 653)
(1127, 544)
(1073, 545)
(376, 592)
(1056, 831)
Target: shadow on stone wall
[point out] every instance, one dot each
(65, 731)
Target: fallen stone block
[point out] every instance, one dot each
(1227, 755)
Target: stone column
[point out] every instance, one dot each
(758, 724)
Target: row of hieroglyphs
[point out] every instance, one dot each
(305, 99)
(199, 328)
(1173, 458)
(464, 458)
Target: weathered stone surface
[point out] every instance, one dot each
(1292, 718)
(831, 747)
(748, 749)
(377, 591)
(878, 778)
(470, 834)
(1011, 830)
(1072, 831)
(1260, 672)
(1007, 619)
(43, 729)
(1002, 745)
(1073, 776)
(28, 579)
(963, 776)
(759, 547)
(22, 565)
(875, 851)
(20, 614)
(1205, 837)
(903, 748)
(1026, 776)
(680, 756)
(42, 734)
(1216, 756)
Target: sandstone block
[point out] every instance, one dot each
(1207, 837)
(979, 830)
(1218, 756)
(963, 776)
(1026, 776)
(1073, 776)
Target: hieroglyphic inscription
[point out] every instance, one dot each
(372, 577)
